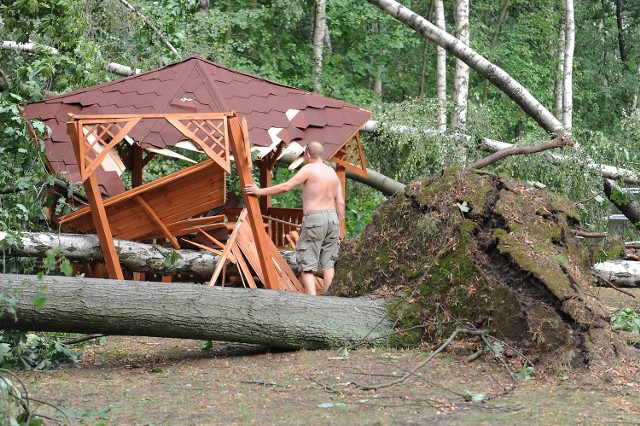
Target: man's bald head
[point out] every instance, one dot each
(315, 150)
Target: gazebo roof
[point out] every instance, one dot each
(275, 113)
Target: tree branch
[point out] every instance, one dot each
(558, 142)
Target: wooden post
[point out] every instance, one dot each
(265, 181)
(341, 171)
(243, 167)
(136, 165)
(98, 213)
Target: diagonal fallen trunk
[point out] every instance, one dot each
(276, 319)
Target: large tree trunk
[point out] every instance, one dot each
(496, 75)
(272, 318)
(135, 257)
(461, 80)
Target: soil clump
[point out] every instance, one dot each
(485, 251)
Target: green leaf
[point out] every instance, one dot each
(474, 397)
(464, 207)
(38, 300)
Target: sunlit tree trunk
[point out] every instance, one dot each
(559, 92)
(319, 27)
(461, 81)
(567, 114)
(441, 68)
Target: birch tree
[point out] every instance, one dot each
(441, 67)
(319, 27)
(558, 89)
(570, 34)
(461, 81)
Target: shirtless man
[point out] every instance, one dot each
(323, 207)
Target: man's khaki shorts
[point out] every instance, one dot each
(319, 240)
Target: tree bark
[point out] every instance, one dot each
(496, 75)
(570, 34)
(627, 205)
(461, 80)
(319, 27)
(558, 89)
(276, 319)
(135, 257)
(623, 273)
(441, 68)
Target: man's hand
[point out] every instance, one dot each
(251, 190)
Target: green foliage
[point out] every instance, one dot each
(32, 351)
(357, 215)
(626, 320)
(525, 372)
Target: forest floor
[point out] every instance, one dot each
(154, 381)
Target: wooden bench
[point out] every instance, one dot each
(169, 207)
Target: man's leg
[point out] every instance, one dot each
(309, 282)
(327, 278)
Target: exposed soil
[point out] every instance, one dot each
(487, 252)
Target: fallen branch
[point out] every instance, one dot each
(609, 172)
(558, 142)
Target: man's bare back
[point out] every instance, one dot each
(320, 189)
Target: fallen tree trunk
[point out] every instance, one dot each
(623, 273)
(135, 257)
(276, 319)
(627, 205)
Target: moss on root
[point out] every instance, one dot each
(482, 250)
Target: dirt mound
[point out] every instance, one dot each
(487, 251)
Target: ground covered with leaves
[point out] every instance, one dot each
(486, 252)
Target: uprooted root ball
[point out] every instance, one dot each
(488, 251)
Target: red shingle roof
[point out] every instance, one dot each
(197, 85)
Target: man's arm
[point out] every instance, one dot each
(281, 188)
(340, 203)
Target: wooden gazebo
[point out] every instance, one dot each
(99, 132)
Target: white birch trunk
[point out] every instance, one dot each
(570, 33)
(377, 84)
(559, 92)
(623, 273)
(461, 81)
(441, 68)
(319, 27)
